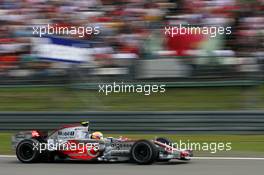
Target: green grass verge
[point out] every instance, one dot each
(66, 99)
(5, 143)
(242, 145)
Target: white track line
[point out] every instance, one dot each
(7, 156)
(195, 158)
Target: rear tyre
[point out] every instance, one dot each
(26, 151)
(144, 152)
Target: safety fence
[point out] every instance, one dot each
(235, 122)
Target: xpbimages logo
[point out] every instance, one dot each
(54, 29)
(212, 31)
(146, 89)
(212, 147)
(66, 146)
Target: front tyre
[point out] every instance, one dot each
(26, 151)
(144, 152)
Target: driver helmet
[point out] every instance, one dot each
(97, 135)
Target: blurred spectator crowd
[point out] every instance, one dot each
(132, 30)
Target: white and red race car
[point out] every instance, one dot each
(74, 142)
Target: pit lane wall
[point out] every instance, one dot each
(232, 122)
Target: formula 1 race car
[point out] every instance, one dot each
(74, 142)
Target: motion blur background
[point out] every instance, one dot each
(200, 72)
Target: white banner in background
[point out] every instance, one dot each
(60, 49)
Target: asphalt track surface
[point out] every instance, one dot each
(11, 166)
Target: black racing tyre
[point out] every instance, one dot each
(25, 151)
(144, 152)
